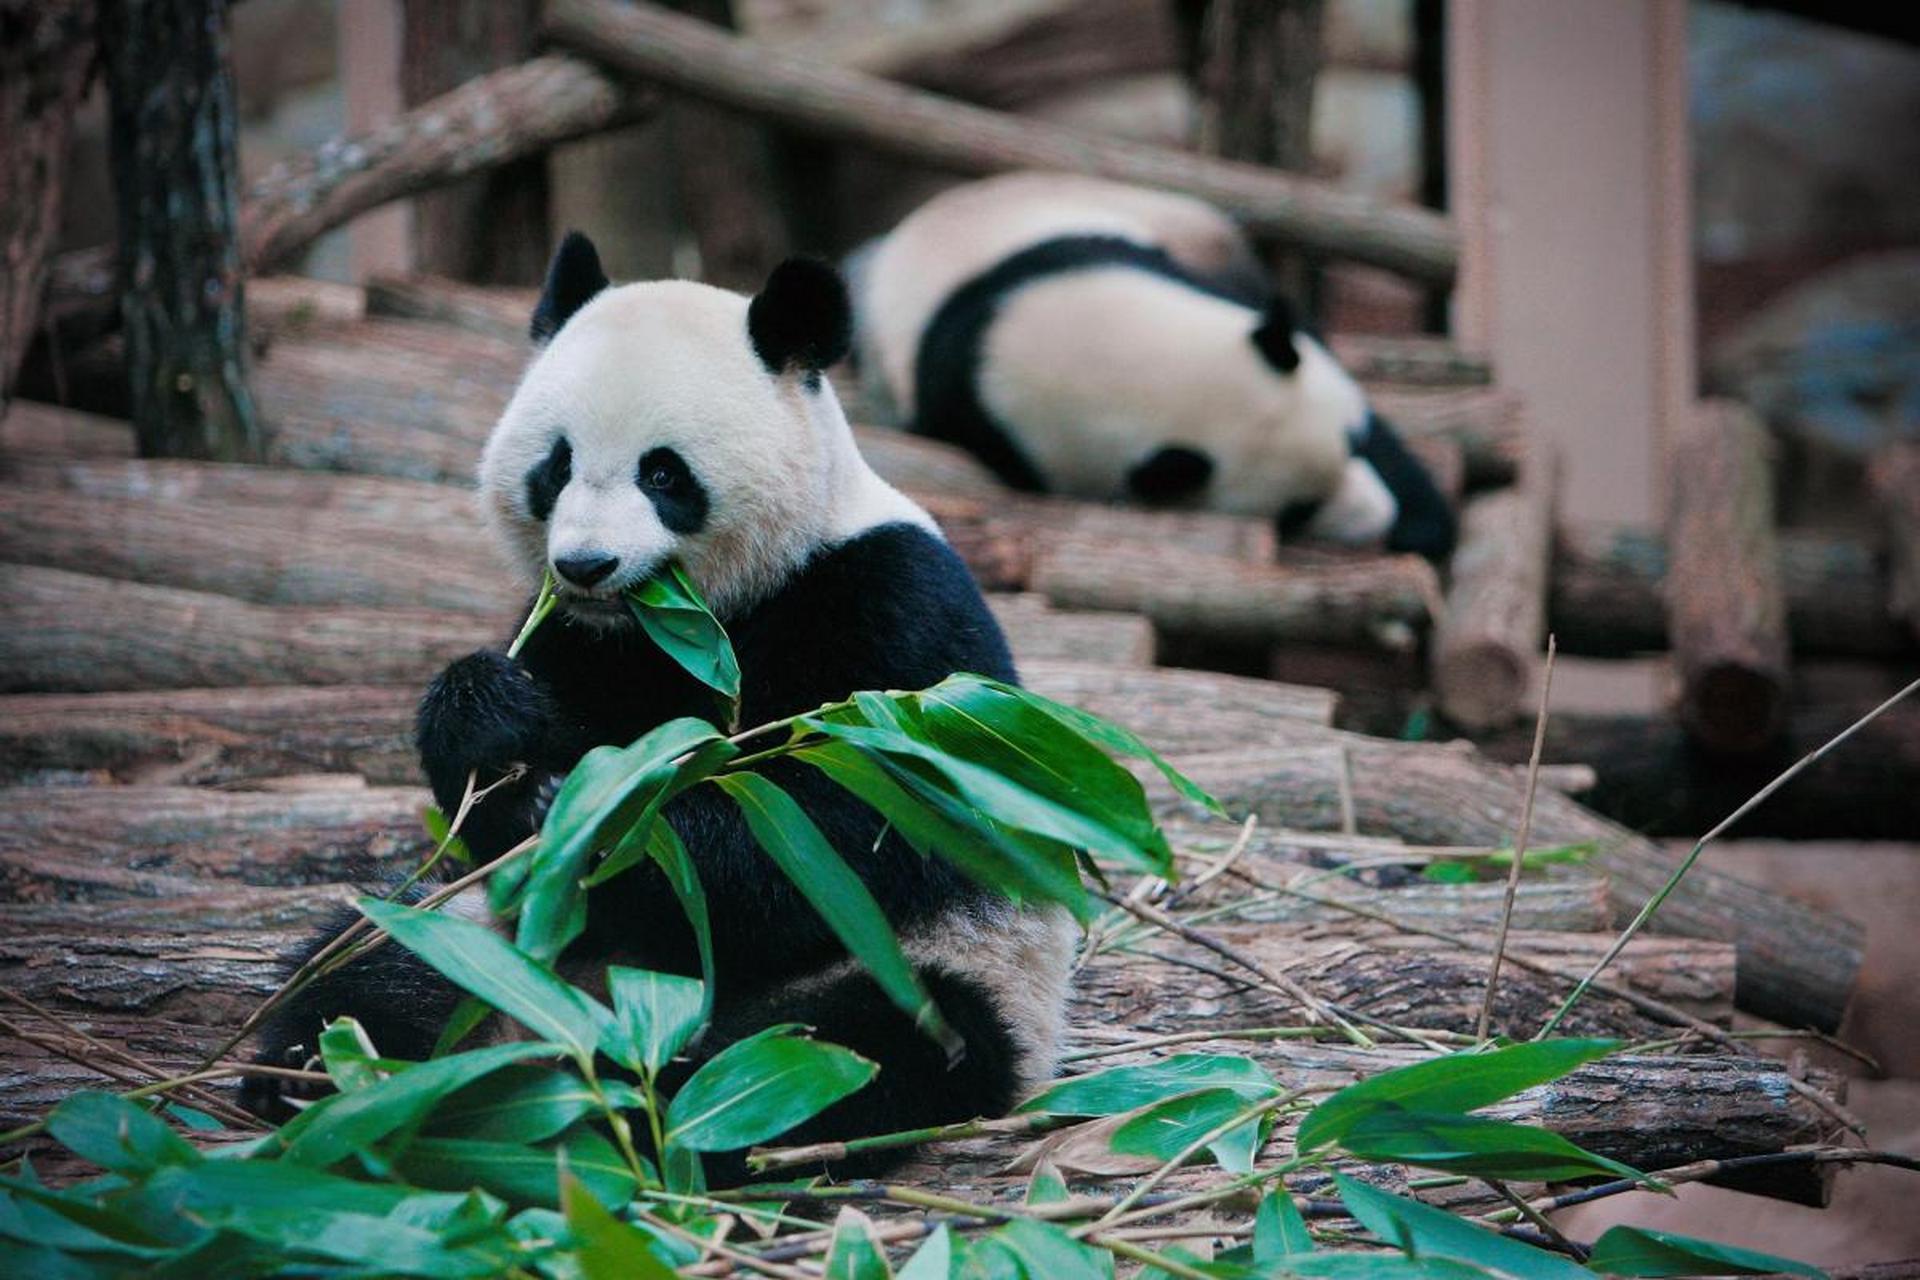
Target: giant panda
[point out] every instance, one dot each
(1088, 338)
(673, 420)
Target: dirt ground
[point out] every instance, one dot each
(1872, 1217)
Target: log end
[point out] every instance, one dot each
(1732, 707)
(1481, 685)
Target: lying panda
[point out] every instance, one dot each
(678, 421)
(1088, 338)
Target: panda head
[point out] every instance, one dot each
(675, 421)
(1381, 492)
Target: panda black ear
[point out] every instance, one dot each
(802, 317)
(573, 278)
(1274, 336)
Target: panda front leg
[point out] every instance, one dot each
(484, 717)
(916, 1086)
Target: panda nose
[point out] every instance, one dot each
(586, 570)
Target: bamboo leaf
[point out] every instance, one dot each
(1476, 1146)
(761, 1087)
(1637, 1251)
(606, 1247)
(1118, 1089)
(488, 966)
(349, 1055)
(1457, 1082)
(1167, 1128)
(521, 1104)
(115, 1134)
(789, 837)
(678, 620)
(856, 1254)
(655, 1014)
(1426, 1232)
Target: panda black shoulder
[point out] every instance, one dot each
(891, 607)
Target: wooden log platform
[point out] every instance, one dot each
(1726, 607)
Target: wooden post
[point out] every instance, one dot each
(492, 227)
(721, 170)
(46, 64)
(1894, 477)
(1726, 609)
(1487, 643)
(174, 170)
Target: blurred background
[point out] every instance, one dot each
(1653, 201)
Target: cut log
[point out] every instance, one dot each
(1726, 608)
(1489, 423)
(64, 631)
(66, 843)
(33, 431)
(46, 65)
(1488, 639)
(1608, 582)
(503, 314)
(224, 736)
(1894, 478)
(1650, 776)
(173, 130)
(1410, 361)
(1797, 964)
(1037, 630)
(691, 57)
(1376, 602)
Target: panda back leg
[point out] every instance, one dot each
(915, 1086)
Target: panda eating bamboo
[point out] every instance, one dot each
(675, 421)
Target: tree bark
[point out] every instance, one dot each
(490, 227)
(1726, 608)
(1894, 478)
(1609, 583)
(1652, 777)
(1412, 362)
(1488, 423)
(182, 282)
(653, 44)
(1797, 964)
(1488, 639)
(46, 65)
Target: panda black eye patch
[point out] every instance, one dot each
(548, 478)
(676, 495)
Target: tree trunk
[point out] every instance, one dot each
(1609, 580)
(1726, 608)
(173, 131)
(491, 227)
(1488, 639)
(46, 64)
(679, 53)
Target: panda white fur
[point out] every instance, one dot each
(1099, 340)
(675, 420)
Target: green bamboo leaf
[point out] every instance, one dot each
(1039, 1250)
(1278, 1229)
(344, 1123)
(461, 1023)
(1005, 801)
(115, 1134)
(1637, 1251)
(761, 1087)
(522, 1104)
(636, 845)
(1426, 1232)
(935, 823)
(606, 1247)
(1046, 1186)
(348, 1055)
(1111, 736)
(934, 1260)
(664, 846)
(440, 830)
(1118, 1089)
(490, 967)
(1476, 1146)
(1165, 1129)
(997, 727)
(610, 792)
(855, 1254)
(781, 828)
(1370, 1266)
(518, 1173)
(654, 1015)
(677, 619)
(1458, 1082)
(371, 1244)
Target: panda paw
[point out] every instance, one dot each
(484, 712)
(278, 1098)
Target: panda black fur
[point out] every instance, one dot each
(676, 420)
(1100, 340)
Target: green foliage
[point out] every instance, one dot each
(519, 1159)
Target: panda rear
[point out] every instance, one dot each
(675, 421)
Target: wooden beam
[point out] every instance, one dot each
(687, 56)
(1894, 479)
